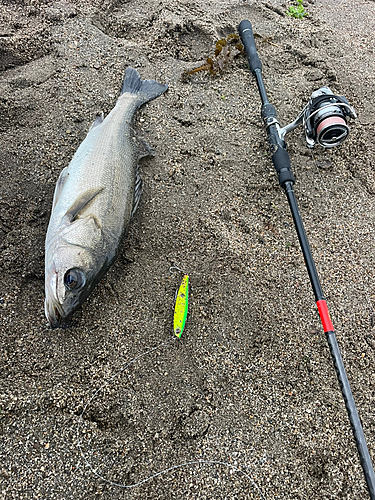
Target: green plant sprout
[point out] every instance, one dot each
(297, 12)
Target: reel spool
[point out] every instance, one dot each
(325, 119)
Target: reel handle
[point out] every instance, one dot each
(246, 33)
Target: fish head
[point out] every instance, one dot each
(74, 263)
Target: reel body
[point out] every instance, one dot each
(324, 118)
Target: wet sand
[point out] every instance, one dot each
(251, 382)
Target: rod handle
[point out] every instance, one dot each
(246, 33)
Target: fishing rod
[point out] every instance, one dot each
(325, 120)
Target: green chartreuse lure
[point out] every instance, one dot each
(181, 307)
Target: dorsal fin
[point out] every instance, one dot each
(98, 120)
(80, 203)
(59, 186)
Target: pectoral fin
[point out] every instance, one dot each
(81, 202)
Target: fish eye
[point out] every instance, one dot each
(74, 279)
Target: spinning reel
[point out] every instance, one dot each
(324, 119)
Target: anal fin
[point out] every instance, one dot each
(143, 148)
(137, 191)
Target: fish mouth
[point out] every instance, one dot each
(54, 313)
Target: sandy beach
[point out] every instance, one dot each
(250, 385)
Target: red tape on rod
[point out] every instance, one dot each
(324, 316)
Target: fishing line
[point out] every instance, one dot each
(164, 471)
(175, 267)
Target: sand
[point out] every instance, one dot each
(251, 382)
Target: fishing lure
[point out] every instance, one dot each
(181, 307)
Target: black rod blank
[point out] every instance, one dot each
(281, 161)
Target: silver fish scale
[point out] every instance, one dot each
(93, 203)
(106, 159)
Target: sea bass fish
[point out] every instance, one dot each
(95, 197)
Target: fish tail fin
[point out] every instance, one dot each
(146, 90)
